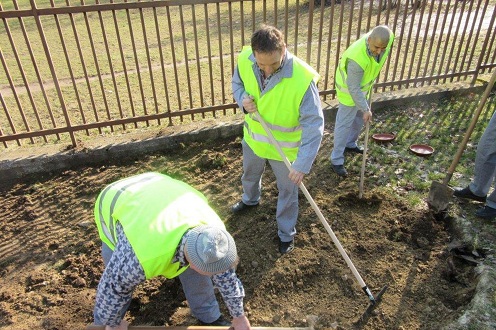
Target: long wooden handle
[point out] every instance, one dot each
(364, 159)
(470, 129)
(315, 208)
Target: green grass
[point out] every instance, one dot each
(441, 124)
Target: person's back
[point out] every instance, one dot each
(153, 225)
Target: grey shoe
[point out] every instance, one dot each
(339, 169)
(468, 194)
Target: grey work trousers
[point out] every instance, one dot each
(198, 289)
(485, 164)
(287, 200)
(349, 123)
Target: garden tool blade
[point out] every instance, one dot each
(439, 196)
(373, 305)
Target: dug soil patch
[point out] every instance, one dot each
(50, 254)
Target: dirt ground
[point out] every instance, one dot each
(50, 254)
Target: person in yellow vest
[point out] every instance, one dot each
(356, 73)
(152, 225)
(283, 89)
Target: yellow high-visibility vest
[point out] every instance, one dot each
(358, 53)
(155, 212)
(279, 107)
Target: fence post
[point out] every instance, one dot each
(483, 51)
(52, 70)
(310, 28)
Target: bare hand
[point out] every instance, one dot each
(241, 323)
(367, 116)
(295, 176)
(249, 105)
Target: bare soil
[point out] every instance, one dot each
(50, 254)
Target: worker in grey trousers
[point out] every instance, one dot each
(270, 80)
(484, 173)
(358, 68)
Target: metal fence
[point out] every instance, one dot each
(77, 69)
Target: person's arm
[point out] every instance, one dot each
(354, 79)
(232, 292)
(312, 126)
(121, 275)
(238, 89)
(355, 75)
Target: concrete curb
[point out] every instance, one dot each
(25, 169)
(480, 313)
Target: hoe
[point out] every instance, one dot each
(374, 301)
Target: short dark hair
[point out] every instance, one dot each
(267, 39)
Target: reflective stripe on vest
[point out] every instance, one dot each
(265, 138)
(279, 107)
(364, 88)
(108, 229)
